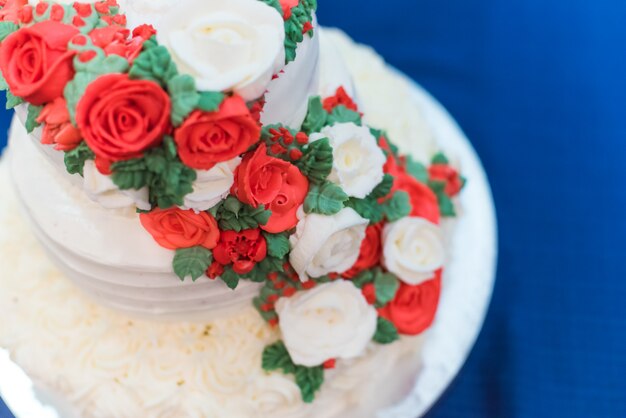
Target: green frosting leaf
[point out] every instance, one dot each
(383, 188)
(342, 114)
(325, 199)
(398, 207)
(316, 116)
(367, 208)
(210, 101)
(131, 174)
(308, 379)
(276, 357)
(440, 158)
(237, 216)
(416, 169)
(317, 161)
(74, 91)
(277, 245)
(7, 28)
(184, 97)
(386, 286)
(192, 262)
(230, 278)
(446, 206)
(75, 159)
(363, 278)
(154, 64)
(386, 332)
(31, 119)
(12, 100)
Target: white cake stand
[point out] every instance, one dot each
(469, 279)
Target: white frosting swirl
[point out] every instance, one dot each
(357, 159)
(212, 186)
(326, 244)
(101, 189)
(332, 321)
(226, 46)
(413, 249)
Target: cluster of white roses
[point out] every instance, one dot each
(334, 320)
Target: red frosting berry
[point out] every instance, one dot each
(241, 249)
(35, 61)
(121, 118)
(274, 183)
(176, 228)
(413, 309)
(207, 138)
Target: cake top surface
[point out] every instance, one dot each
(340, 230)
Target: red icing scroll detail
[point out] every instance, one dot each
(120, 118)
(176, 228)
(207, 138)
(241, 249)
(57, 128)
(413, 309)
(36, 63)
(275, 183)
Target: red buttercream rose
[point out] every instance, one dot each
(275, 183)
(448, 175)
(340, 98)
(371, 251)
(36, 63)
(413, 309)
(241, 249)
(57, 128)
(120, 118)
(10, 10)
(114, 40)
(207, 138)
(176, 228)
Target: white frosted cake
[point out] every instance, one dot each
(223, 211)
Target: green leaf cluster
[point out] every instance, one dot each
(31, 118)
(167, 178)
(342, 114)
(75, 159)
(386, 331)
(154, 64)
(309, 379)
(317, 161)
(316, 116)
(236, 216)
(325, 199)
(185, 98)
(192, 262)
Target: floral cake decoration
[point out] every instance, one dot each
(339, 229)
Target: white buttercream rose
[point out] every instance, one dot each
(331, 321)
(235, 45)
(357, 159)
(413, 249)
(326, 244)
(101, 189)
(212, 186)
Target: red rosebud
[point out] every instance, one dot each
(413, 309)
(121, 118)
(447, 175)
(215, 270)
(207, 138)
(176, 228)
(35, 61)
(340, 98)
(274, 183)
(329, 364)
(241, 249)
(11, 11)
(57, 128)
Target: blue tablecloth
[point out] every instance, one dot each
(539, 86)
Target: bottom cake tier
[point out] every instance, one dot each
(90, 362)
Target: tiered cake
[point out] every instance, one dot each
(256, 198)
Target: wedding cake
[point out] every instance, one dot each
(214, 209)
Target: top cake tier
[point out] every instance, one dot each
(213, 155)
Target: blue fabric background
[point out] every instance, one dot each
(539, 86)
